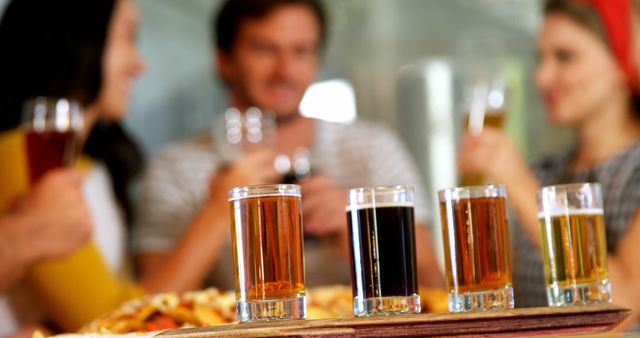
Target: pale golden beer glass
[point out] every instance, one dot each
(485, 106)
(266, 229)
(574, 246)
(475, 232)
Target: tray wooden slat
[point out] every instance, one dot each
(517, 322)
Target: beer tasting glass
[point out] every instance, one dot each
(475, 232)
(574, 244)
(266, 228)
(51, 127)
(382, 248)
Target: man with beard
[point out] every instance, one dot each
(267, 53)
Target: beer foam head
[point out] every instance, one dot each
(568, 212)
(267, 190)
(379, 205)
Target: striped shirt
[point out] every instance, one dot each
(175, 187)
(620, 180)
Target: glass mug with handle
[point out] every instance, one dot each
(574, 246)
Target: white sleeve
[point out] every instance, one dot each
(167, 204)
(389, 163)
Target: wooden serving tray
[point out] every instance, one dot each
(509, 323)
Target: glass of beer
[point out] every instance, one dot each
(382, 248)
(238, 131)
(476, 247)
(485, 106)
(266, 228)
(51, 126)
(574, 246)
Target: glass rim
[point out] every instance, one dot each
(568, 187)
(473, 191)
(553, 200)
(367, 197)
(383, 189)
(262, 190)
(43, 113)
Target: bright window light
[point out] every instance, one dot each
(332, 100)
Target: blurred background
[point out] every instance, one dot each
(404, 63)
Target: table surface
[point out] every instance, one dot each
(509, 323)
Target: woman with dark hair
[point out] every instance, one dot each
(588, 79)
(83, 51)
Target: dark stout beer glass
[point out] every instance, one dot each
(382, 247)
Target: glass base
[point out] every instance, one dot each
(263, 310)
(580, 294)
(496, 299)
(386, 305)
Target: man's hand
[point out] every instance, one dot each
(323, 207)
(251, 168)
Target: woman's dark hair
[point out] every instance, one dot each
(55, 48)
(233, 12)
(586, 16)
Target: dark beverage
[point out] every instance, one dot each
(48, 150)
(382, 243)
(268, 256)
(478, 233)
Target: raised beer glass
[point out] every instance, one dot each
(485, 106)
(266, 229)
(475, 232)
(51, 126)
(382, 249)
(574, 246)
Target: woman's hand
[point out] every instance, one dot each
(51, 221)
(58, 219)
(492, 155)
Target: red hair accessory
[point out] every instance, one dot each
(615, 16)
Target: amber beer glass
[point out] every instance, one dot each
(475, 232)
(382, 247)
(51, 127)
(574, 244)
(266, 228)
